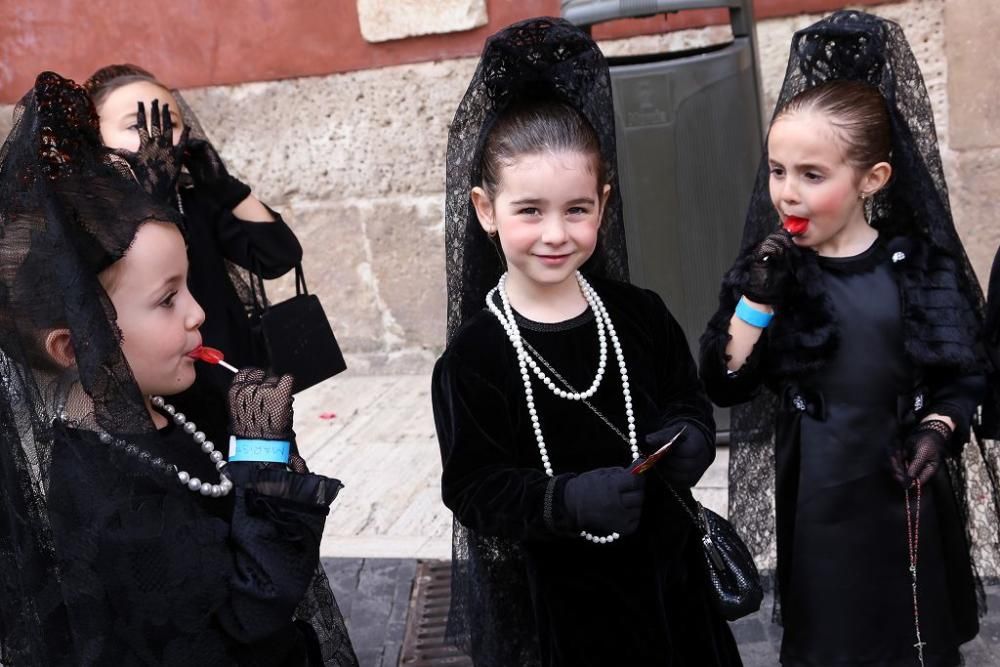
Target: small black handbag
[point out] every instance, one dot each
(732, 573)
(296, 334)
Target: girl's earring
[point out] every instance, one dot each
(867, 206)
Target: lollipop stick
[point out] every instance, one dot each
(229, 367)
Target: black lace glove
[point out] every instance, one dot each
(157, 163)
(209, 174)
(921, 456)
(769, 271)
(687, 459)
(604, 501)
(260, 407)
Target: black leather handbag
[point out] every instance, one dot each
(296, 334)
(732, 573)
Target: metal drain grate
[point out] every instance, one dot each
(423, 642)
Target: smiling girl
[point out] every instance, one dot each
(850, 321)
(556, 378)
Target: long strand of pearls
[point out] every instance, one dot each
(528, 365)
(193, 484)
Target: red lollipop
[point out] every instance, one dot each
(211, 356)
(795, 225)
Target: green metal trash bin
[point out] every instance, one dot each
(689, 133)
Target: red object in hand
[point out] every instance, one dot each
(211, 356)
(795, 225)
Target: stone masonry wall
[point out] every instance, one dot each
(356, 164)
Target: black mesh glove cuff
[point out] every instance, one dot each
(923, 453)
(604, 501)
(261, 407)
(210, 175)
(769, 272)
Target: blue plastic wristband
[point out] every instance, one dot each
(261, 451)
(751, 315)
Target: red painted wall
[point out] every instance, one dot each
(190, 43)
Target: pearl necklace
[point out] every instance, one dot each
(194, 484)
(526, 362)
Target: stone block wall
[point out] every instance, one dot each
(356, 163)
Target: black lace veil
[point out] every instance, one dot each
(491, 617)
(858, 46)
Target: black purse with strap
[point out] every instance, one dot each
(296, 333)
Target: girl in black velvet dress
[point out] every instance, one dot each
(126, 538)
(229, 231)
(861, 315)
(554, 381)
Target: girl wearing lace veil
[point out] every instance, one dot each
(125, 536)
(230, 232)
(562, 556)
(848, 337)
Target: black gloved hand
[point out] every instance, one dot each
(770, 270)
(260, 407)
(606, 500)
(922, 454)
(157, 163)
(687, 459)
(209, 173)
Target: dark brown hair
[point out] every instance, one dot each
(108, 79)
(534, 128)
(857, 112)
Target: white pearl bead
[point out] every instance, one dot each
(183, 476)
(206, 489)
(190, 428)
(216, 456)
(194, 483)
(199, 437)
(207, 446)
(179, 418)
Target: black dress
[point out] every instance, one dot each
(154, 574)
(843, 575)
(641, 600)
(216, 239)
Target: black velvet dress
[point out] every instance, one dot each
(153, 574)
(843, 562)
(642, 600)
(215, 237)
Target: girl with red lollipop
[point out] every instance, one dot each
(847, 333)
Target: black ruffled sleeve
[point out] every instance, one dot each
(276, 530)
(480, 481)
